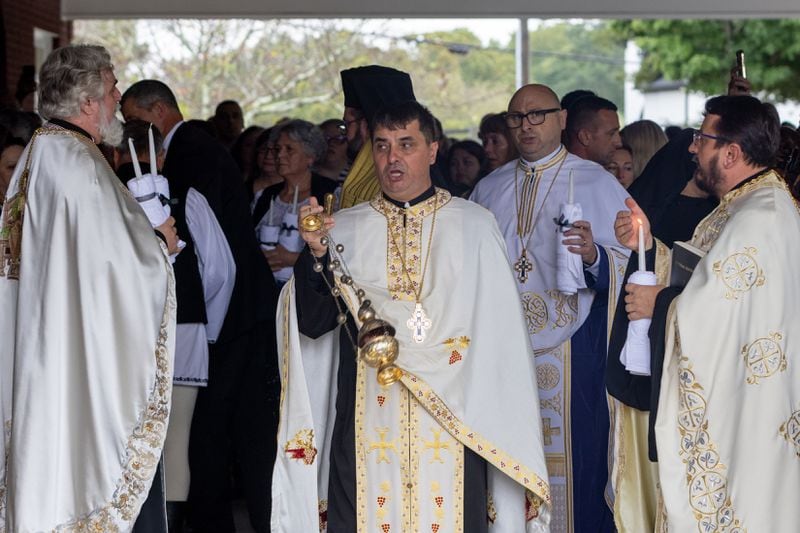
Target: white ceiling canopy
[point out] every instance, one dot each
(614, 9)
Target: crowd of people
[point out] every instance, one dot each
(175, 336)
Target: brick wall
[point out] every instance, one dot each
(20, 17)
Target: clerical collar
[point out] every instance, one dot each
(72, 127)
(170, 135)
(747, 180)
(421, 198)
(546, 159)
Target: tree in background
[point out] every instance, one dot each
(702, 52)
(276, 69)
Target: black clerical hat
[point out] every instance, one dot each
(368, 88)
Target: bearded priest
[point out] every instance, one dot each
(440, 446)
(725, 408)
(86, 317)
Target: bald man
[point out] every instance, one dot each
(568, 329)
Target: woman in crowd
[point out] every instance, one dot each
(621, 165)
(262, 171)
(10, 151)
(497, 141)
(299, 146)
(465, 163)
(244, 148)
(645, 138)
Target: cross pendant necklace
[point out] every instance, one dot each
(523, 266)
(419, 323)
(525, 201)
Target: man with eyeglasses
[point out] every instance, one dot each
(336, 163)
(568, 331)
(365, 90)
(724, 357)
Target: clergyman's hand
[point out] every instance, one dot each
(581, 241)
(167, 229)
(626, 227)
(312, 238)
(640, 300)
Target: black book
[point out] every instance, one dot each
(684, 258)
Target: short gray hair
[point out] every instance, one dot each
(71, 75)
(306, 133)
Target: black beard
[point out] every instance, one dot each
(709, 182)
(354, 146)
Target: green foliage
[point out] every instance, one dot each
(570, 56)
(702, 52)
(277, 69)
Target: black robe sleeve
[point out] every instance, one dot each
(657, 333)
(631, 390)
(316, 306)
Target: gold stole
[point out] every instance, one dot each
(361, 184)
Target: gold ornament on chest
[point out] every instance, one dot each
(406, 230)
(525, 202)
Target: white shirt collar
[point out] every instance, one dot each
(543, 160)
(168, 138)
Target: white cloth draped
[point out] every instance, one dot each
(86, 345)
(569, 266)
(217, 273)
(635, 354)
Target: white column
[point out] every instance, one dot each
(522, 53)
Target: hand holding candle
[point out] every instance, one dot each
(628, 224)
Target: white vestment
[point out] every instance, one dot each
(728, 422)
(464, 385)
(86, 342)
(553, 317)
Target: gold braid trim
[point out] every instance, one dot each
(143, 448)
(13, 218)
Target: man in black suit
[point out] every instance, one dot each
(239, 406)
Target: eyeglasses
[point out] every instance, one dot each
(535, 117)
(345, 123)
(698, 136)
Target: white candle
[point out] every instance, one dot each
(135, 159)
(271, 211)
(152, 146)
(294, 202)
(571, 193)
(642, 266)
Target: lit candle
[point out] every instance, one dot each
(294, 202)
(152, 146)
(642, 266)
(136, 168)
(571, 194)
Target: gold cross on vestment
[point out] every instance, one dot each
(548, 431)
(436, 445)
(382, 445)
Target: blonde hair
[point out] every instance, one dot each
(645, 138)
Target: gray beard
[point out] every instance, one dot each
(111, 131)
